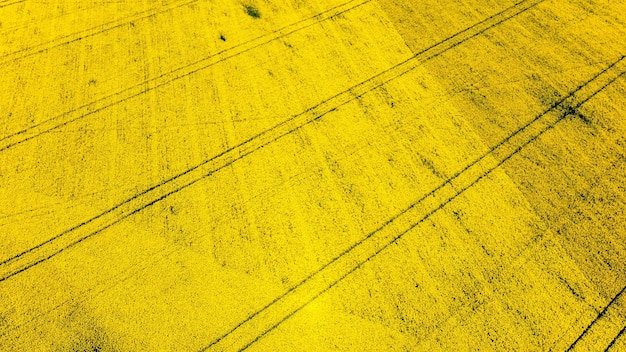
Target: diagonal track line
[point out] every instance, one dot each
(135, 204)
(617, 337)
(599, 317)
(6, 4)
(91, 32)
(164, 79)
(298, 297)
(29, 22)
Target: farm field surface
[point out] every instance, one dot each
(331, 175)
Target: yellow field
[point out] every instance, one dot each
(369, 175)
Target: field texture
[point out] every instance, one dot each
(289, 175)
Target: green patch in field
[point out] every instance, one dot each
(252, 11)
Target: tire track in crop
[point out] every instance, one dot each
(354, 257)
(148, 85)
(87, 33)
(142, 200)
(617, 337)
(598, 318)
(3, 5)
